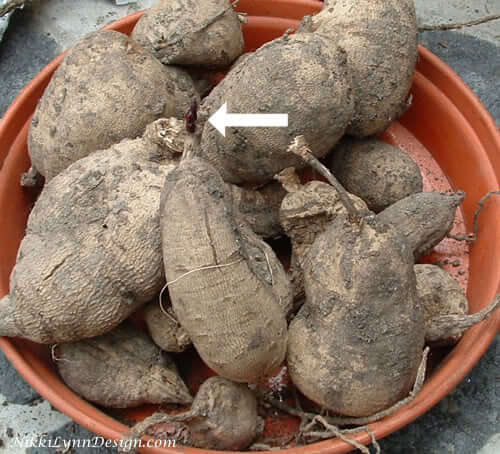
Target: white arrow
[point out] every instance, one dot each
(221, 120)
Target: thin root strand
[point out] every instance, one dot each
(363, 421)
(210, 267)
(331, 431)
(472, 237)
(457, 25)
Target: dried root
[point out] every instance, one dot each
(345, 421)
(330, 425)
(473, 236)
(450, 326)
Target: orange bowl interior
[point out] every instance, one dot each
(446, 118)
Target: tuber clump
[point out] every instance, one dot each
(356, 344)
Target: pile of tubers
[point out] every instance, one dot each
(146, 209)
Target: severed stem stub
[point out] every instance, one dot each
(193, 139)
(32, 178)
(473, 236)
(300, 148)
(453, 325)
(139, 430)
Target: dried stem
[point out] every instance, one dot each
(300, 148)
(139, 429)
(11, 6)
(458, 25)
(481, 204)
(449, 326)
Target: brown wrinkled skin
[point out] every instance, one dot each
(107, 88)
(121, 369)
(423, 219)
(304, 76)
(375, 171)
(165, 330)
(91, 255)
(356, 344)
(260, 207)
(234, 315)
(380, 38)
(189, 32)
(304, 214)
(228, 416)
(440, 294)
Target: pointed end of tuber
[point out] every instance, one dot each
(289, 179)
(32, 178)
(8, 326)
(441, 329)
(165, 385)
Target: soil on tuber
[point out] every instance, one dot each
(91, 255)
(228, 289)
(424, 219)
(223, 417)
(378, 172)
(107, 88)
(314, 75)
(189, 32)
(120, 369)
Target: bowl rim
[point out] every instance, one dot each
(452, 371)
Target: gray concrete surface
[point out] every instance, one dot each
(466, 422)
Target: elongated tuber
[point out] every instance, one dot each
(423, 219)
(380, 39)
(228, 289)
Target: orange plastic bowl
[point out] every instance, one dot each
(446, 119)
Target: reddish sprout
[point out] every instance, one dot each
(191, 117)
